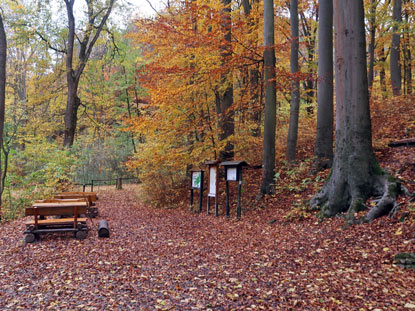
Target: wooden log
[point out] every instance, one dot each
(103, 231)
(402, 142)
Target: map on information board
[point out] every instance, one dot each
(196, 179)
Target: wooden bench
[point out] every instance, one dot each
(71, 221)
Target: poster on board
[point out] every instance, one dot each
(231, 173)
(196, 179)
(212, 182)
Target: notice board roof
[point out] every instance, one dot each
(234, 163)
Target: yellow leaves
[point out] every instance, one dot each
(409, 305)
(399, 231)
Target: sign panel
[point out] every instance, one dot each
(196, 179)
(212, 182)
(232, 173)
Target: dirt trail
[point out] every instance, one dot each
(175, 260)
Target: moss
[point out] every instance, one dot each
(392, 179)
(377, 170)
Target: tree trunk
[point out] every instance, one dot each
(86, 44)
(3, 61)
(407, 58)
(71, 107)
(356, 175)
(372, 29)
(224, 100)
(268, 151)
(295, 84)
(395, 66)
(382, 72)
(323, 150)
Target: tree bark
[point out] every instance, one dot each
(356, 175)
(268, 151)
(224, 99)
(323, 150)
(372, 29)
(295, 84)
(3, 61)
(395, 66)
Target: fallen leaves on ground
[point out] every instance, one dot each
(159, 259)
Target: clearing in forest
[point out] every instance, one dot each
(159, 259)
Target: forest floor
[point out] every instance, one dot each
(279, 256)
(171, 259)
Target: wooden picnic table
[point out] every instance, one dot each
(70, 220)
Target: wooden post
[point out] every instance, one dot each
(201, 193)
(83, 187)
(238, 207)
(227, 200)
(92, 185)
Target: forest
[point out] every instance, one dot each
(316, 96)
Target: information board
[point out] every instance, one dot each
(212, 182)
(231, 173)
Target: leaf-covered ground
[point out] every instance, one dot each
(171, 259)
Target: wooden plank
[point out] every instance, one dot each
(92, 195)
(90, 198)
(59, 221)
(61, 204)
(54, 210)
(63, 200)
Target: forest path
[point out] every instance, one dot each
(164, 259)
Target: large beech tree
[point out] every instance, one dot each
(295, 84)
(356, 174)
(323, 150)
(268, 152)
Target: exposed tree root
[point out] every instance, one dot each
(346, 198)
(392, 188)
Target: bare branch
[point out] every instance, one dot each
(48, 43)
